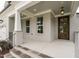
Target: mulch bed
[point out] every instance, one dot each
(3, 53)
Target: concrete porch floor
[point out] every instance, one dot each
(57, 48)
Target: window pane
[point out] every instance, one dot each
(27, 29)
(39, 20)
(40, 29)
(27, 22)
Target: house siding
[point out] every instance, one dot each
(33, 35)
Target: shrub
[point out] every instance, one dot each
(6, 46)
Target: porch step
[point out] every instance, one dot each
(33, 53)
(18, 54)
(28, 52)
(23, 52)
(8, 55)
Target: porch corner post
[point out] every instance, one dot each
(77, 44)
(17, 21)
(17, 29)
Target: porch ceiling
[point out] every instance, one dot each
(53, 5)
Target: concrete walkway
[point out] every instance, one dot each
(57, 48)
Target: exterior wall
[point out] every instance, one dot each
(33, 35)
(56, 28)
(77, 44)
(74, 22)
(5, 17)
(53, 28)
(0, 32)
(11, 24)
(74, 35)
(74, 29)
(3, 32)
(6, 14)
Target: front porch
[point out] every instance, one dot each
(43, 38)
(56, 49)
(42, 24)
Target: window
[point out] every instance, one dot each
(40, 24)
(27, 26)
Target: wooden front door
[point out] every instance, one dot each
(63, 27)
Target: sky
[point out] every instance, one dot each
(1, 4)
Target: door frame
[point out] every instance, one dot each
(68, 26)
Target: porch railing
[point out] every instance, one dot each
(14, 38)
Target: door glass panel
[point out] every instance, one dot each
(63, 28)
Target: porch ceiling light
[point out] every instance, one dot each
(62, 10)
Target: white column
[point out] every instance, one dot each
(77, 44)
(76, 18)
(17, 21)
(18, 34)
